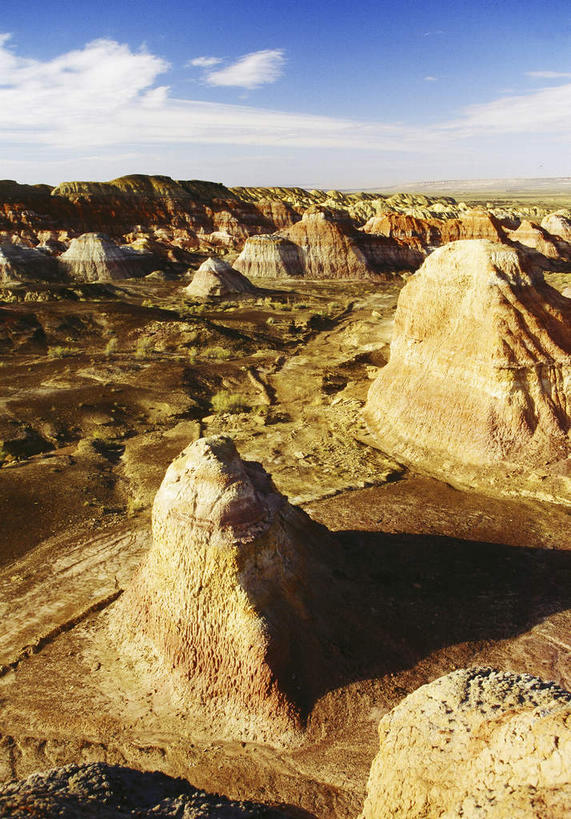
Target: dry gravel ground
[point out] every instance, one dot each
(433, 578)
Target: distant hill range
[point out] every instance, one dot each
(554, 189)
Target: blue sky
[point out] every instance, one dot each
(325, 94)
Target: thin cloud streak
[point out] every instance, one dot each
(549, 75)
(250, 71)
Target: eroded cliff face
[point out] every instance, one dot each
(225, 594)
(175, 219)
(477, 742)
(479, 370)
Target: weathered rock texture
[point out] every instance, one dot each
(19, 263)
(324, 245)
(104, 791)
(479, 365)
(225, 595)
(475, 743)
(215, 277)
(94, 257)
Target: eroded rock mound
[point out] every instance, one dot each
(215, 277)
(477, 742)
(104, 791)
(479, 370)
(226, 594)
(19, 263)
(93, 257)
(325, 244)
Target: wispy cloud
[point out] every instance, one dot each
(204, 62)
(430, 78)
(434, 33)
(251, 70)
(549, 75)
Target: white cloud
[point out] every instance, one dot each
(104, 100)
(251, 70)
(204, 62)
(430, 78)
(549, 75)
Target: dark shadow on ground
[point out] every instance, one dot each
(395, 599)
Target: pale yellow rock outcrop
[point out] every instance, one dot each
(225, 595)
(479, 371)
(476, 743)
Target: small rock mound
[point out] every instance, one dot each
(226, 594)
(104, 791)
(215, 277)
(93, 257)
(475, 743)
(479, 366)
(20, 263)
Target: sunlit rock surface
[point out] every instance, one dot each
(479, 365)
(225, 594)
(477, 742)
(215, 277)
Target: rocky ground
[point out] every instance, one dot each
(102, 385)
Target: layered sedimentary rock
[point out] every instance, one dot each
(225, 596)
(426, 234)
(324, 245)
(102, 791)
(474, 743)
(19, 263)
(215, 277)
(94, 257)
(479, 366)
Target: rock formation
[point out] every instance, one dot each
(225, 596)
(479, 366)
(270, 256)
(215, 277)
(102, 791)
(20, 263)
(558, 224)
(324, 245)
(93, 257)
(530, 235)
(426, 234)
(477, 742)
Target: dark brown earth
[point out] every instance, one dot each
(100, 389)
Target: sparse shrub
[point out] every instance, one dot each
(111, 346)
(147, 303)
(270, 320)
(144, 347)
(60, 352)
(219, 353)
(225, 401)
(192, 354)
